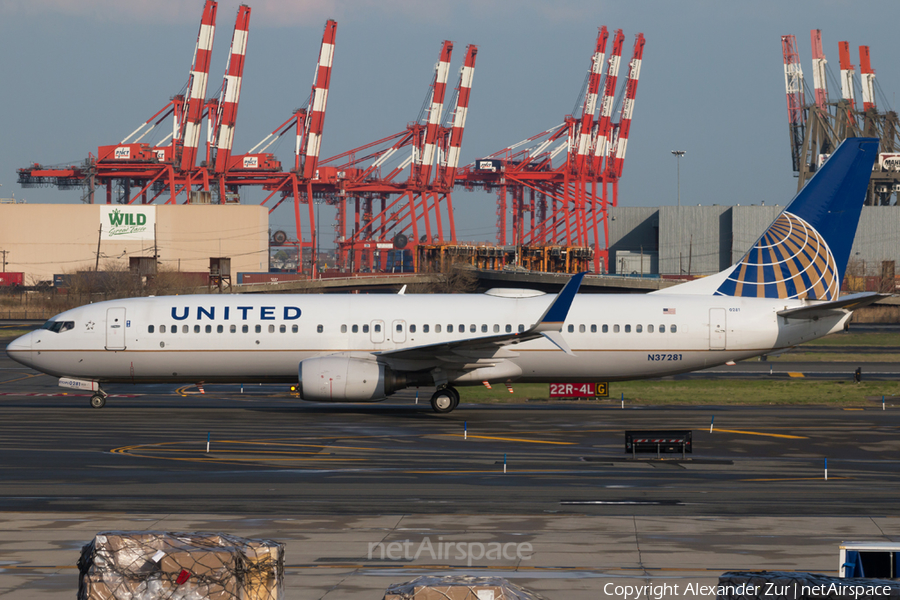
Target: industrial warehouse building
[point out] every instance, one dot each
(701, 240)
(42, 240)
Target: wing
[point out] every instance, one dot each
(469, 350)
(830, 309)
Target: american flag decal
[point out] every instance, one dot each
(668, 311)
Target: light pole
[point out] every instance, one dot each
(316, 257)
(678, 154)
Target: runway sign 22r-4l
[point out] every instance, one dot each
(579, 390)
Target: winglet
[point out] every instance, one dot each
(555, 315)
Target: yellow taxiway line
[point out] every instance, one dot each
(777, 435)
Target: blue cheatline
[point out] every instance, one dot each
(804, 253)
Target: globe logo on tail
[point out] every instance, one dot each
(791, 260)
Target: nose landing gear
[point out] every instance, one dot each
(98, 400)
(444, 400)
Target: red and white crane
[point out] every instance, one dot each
(435, 112)
(796, 98)
(590, 100)
(316, 116)
(867, 77)
(617, 150)
(195, 98)
(606, 105)
(847, 88)
(464, 90)
(818, 60)
(230, 95)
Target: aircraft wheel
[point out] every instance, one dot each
(98, 401)
(444, 400)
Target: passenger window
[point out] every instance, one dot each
(571, 329)
(509, 329)
(496, 328)
(412, 328)
(615, 328)
(424, 328)
(294, 329)
(377, 328)
(245, 329)
(673, 329)
(449, 328)
(196, 329)
(365, 329)
(649, 328)
(521, 328)
(437, 328)
(321, 328)
(162, 328)
(173, 329)
(662, 328)
(593, 329)
(220, 329)
(581, 329)
(628, 329)
(209, 329)
(271, 329)
(605, 329)
(355, 329)
(282, 329)
(483, 328)
(258, 329)
(638, 328)
(233, 329)
(343, 329)
(399, 327)
(185, 329)
(150, 328)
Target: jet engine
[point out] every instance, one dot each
(347, 379)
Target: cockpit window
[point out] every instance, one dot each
(58, 326)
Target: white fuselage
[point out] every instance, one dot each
(263, 338)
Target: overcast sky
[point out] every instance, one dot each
(79, 74)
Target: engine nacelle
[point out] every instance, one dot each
(346, 379)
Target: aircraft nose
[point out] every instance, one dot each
(20, 349)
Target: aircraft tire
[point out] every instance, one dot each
(444, 400)
(98, 401)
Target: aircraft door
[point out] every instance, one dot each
(399, 334)
(376, 332)
(115, 328)
(717, 329)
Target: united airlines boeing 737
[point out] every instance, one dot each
(360, 348)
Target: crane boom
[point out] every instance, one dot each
(606, 105)
(590, 98)
(819, 82)
(617, 152)
(196, 91)
(231, 89)
(459, 115)
(316, 121)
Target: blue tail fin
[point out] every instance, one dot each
(804, 253)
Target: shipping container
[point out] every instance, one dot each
(11, 279)
(399, 261)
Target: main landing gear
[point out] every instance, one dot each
(98, 400)
(445, 399)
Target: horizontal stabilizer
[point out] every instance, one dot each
(826, 309)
